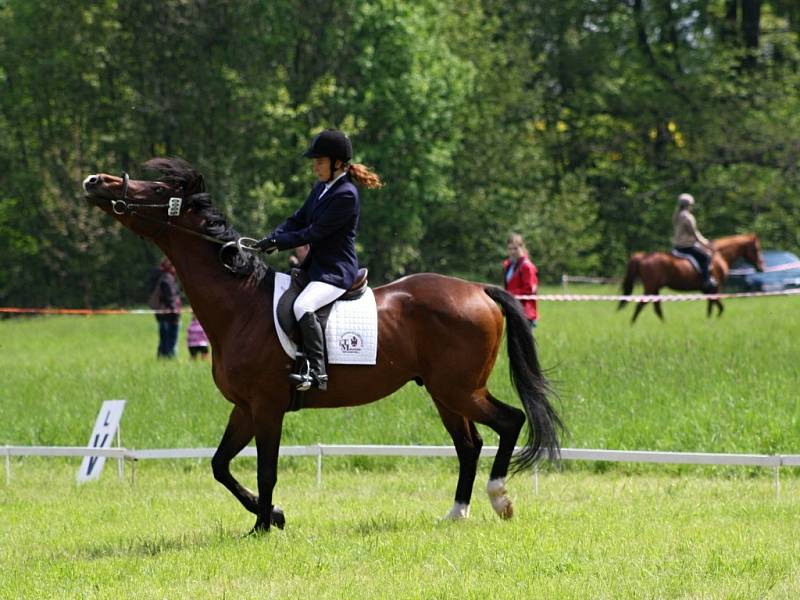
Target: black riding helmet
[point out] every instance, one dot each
(331, 143)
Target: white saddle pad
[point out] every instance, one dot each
(351, 335)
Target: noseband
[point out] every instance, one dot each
(173, 206)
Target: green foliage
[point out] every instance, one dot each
(575, 123)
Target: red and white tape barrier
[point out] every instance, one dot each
(652, 297)
(542, 297)
(84, 311)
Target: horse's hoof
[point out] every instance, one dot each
(259, 528)
(277, 517)
(498, 496)
(459, 512)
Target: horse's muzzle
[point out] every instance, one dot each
(91, 183)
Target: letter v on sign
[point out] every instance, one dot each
(103, 434)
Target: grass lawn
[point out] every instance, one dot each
(593, 530)
(175, 533)
(690, 384)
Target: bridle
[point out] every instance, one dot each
(174, 206)
(123, 207)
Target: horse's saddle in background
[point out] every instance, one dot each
(692, 260)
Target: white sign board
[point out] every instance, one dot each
(103, 434)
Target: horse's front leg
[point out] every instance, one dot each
(268, 440)
(237, 435)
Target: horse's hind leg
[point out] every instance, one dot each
(507, 421)
(657, 308)
(468, 445)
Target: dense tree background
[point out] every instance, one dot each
(575, 123)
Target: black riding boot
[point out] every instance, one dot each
(710, 282)
(314, 351)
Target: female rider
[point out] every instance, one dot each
(687, 238)
(328, 221)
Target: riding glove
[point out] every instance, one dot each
(268, 245)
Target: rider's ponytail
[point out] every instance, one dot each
(364, 176)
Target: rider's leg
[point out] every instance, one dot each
(704, 260)
(315, 295)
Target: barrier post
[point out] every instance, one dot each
(777, 481)
(8, 465)
(319, 465)
(120, 460)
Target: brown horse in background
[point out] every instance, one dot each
(441, 332)
(661, 269)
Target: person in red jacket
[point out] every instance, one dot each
(519, 275)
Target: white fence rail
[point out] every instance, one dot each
(774, 461)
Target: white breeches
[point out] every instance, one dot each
(314, 296)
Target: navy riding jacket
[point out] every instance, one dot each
(329, 224)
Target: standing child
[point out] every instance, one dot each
(197, 340)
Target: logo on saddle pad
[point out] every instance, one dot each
(351, 343)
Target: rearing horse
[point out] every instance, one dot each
(444, 333)
(660, 269)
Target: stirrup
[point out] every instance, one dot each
(303, 381)
(303, 378)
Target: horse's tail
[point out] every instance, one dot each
(544, 424)
(631, 274)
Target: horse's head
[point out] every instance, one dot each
(144, 206)
(752, 252)
(175, 203)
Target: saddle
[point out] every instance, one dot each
(285, 310)
(286, 320)
(692, 260)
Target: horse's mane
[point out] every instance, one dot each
(740, 238)
(177, 172)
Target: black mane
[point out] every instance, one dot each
(177, 172)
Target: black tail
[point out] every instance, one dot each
(544, 424)
(631, 275)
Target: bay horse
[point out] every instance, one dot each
(442, 332)
(661, 269)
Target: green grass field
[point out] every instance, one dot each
(690, 384)
(372, 529)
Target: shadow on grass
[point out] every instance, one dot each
(142, 547)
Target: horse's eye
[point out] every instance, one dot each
(159, 189)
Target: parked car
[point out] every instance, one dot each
(781, 271)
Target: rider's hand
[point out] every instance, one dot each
(268, 245)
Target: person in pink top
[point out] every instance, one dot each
(196, 340)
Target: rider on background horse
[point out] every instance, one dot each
(687, 239)
(328, 221)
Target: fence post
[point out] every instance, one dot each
(121, 460)
(564, 278)
(8, 465)
(777, 481)
(319, 465)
